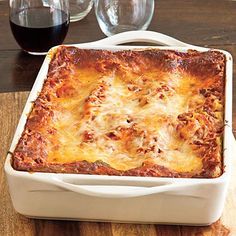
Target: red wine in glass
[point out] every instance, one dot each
(38, 29)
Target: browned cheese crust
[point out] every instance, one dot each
(192, 133)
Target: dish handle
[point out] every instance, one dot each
(114, 191)
(141, 36)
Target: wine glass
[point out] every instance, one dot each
(38, 25)
(79, 9)
(115, 16)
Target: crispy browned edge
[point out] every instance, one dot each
(212, 64)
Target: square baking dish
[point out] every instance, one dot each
(122, 198)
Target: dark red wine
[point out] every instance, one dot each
(39, 29)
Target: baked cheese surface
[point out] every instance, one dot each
(148, 113)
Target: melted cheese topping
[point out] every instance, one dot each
(124, 120)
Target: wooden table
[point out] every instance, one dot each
(209, 23)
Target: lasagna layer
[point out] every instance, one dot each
(139, 113)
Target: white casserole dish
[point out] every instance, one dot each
(120, 198)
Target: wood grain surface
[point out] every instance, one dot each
(13, 224)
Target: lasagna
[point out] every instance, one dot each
(130, 113)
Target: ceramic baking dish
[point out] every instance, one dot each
(121, 198)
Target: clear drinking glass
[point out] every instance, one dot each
(115, 16)
(79, 9)
(38, 25)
